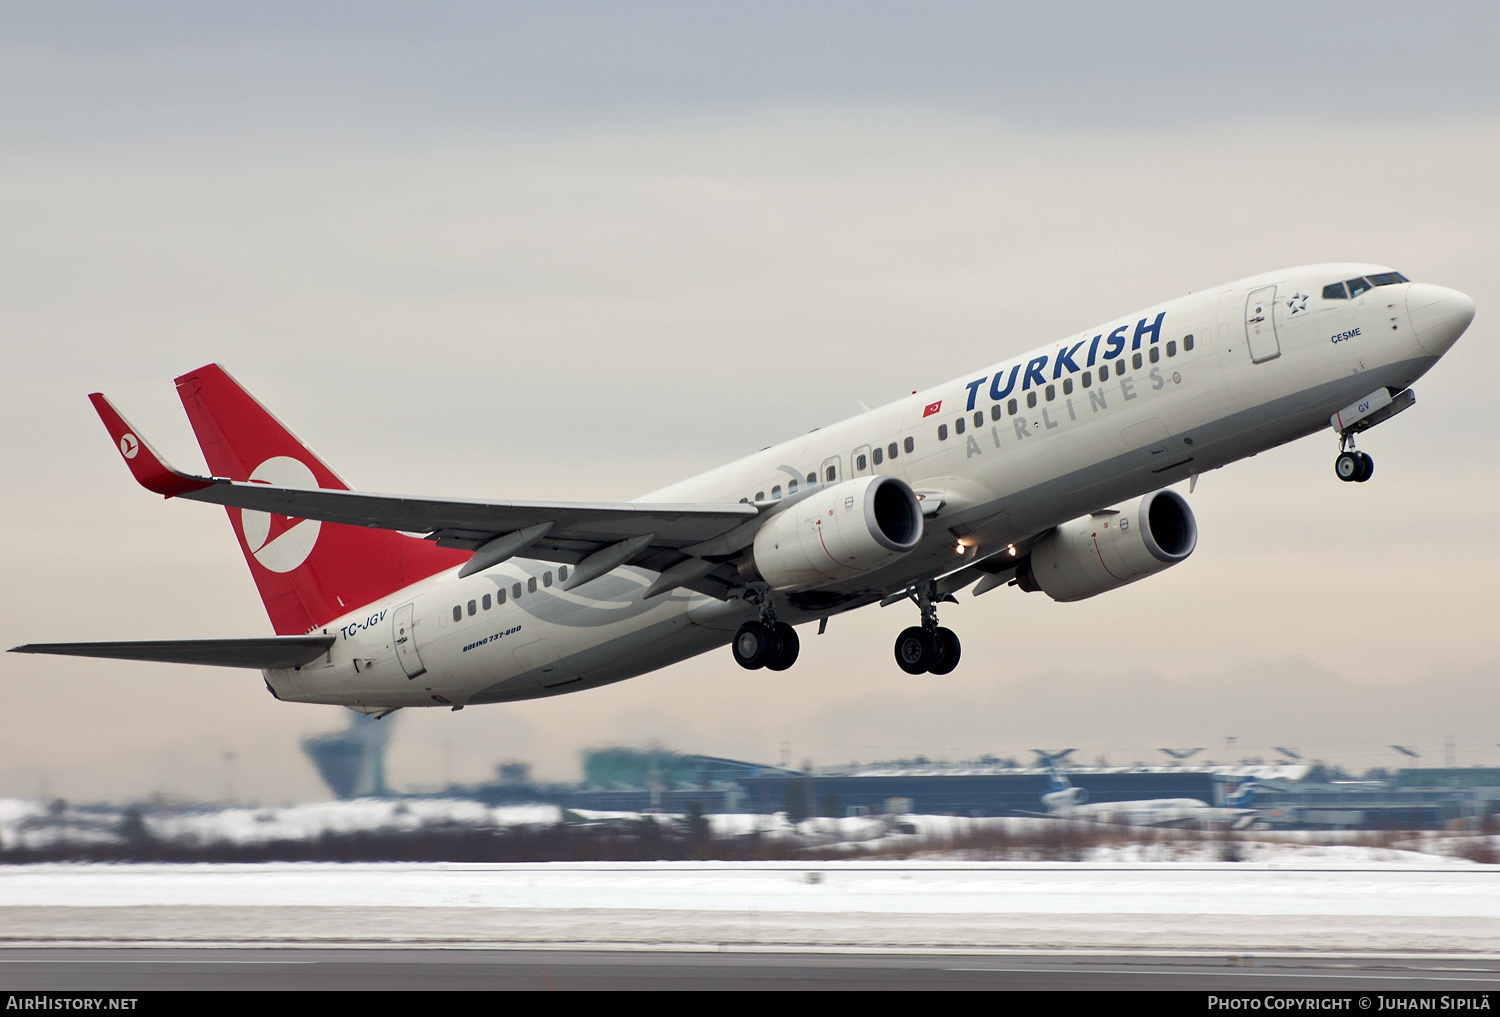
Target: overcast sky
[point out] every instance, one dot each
(584, 250)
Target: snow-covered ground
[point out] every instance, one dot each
(1345, 902)
(932, 889)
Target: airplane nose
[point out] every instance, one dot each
(1438, 315)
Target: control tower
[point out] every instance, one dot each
(352, 761)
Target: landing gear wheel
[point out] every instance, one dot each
(754, 644)
(1367, 468)
(787, 647)
(947, 641)
(1347, 466)
(916, 650)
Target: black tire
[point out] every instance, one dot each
(1366, 468)
(787, 649)
(915, 650)
(753, 645)
(1347, 466)
(947, 640)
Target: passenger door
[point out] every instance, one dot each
(1260, 325)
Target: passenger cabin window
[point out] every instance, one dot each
(1187, 343)
(531, 585)
(546, 578)
(1031, 400)
(878, 455)
(812, 478)
(1088, 380)
(1011, 407)
(891, 451)
(515, 590)
(958, 426)
(911, 443)
(790, 489)
(1135, 361)
(760, 496)
(485, 602)
(1171, 347)
(1051, 392)
(458, 613)
(776, 491)
(562, 573)
(472, 609)
(979, 418)
(500, 596)
(1067, 386)
(860, 462)
(1155, 354)
(995, 412)
(832, 473)
(942, 432)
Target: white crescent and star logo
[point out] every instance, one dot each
(280, 543)
(129, 445)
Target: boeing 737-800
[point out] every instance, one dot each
(1049, 472)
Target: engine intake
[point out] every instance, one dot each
(1111, 548)
(838, 533)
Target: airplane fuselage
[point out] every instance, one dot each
(1005, 453)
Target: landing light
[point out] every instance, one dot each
(1012, 549)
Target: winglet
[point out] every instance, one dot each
(148, 468)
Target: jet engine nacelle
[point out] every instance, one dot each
(838, 533)
(1108, 549)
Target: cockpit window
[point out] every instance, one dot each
(1337, 291)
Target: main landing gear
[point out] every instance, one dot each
(766, 643)
(927, 648)
(1351, 465)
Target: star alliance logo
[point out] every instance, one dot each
(1296, 304)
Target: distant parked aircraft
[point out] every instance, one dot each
(1065, 801)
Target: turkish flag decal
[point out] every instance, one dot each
(932, 408)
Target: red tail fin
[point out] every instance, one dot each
(308, 572)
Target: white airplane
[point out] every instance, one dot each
(1065, 801)
(1047, 471)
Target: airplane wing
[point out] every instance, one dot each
(596, 537)
(258, 652)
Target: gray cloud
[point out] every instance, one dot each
(587, 270)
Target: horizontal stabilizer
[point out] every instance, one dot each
(257, 652)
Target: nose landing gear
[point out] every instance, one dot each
(767, 643)
(1351, 465)
(927, 648)
(1354, 466)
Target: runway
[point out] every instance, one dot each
(135, 969)
(914, 924)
